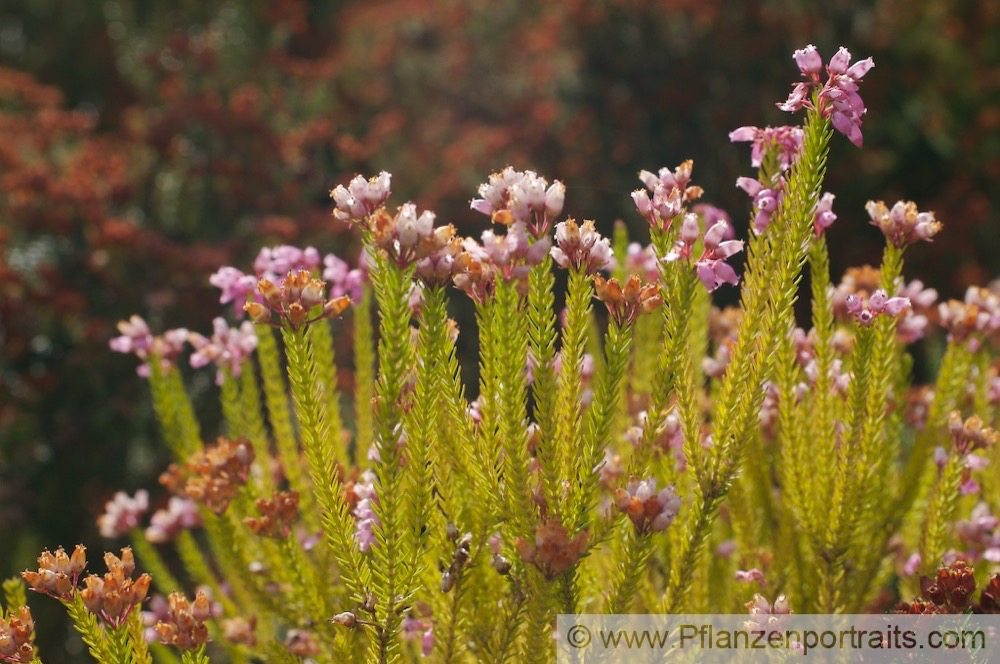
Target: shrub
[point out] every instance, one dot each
(651, 453)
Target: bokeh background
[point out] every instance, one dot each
(144, 143)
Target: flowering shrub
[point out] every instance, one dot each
(649, 453)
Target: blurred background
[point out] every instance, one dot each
(145, 143)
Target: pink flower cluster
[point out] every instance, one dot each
(787, 141)
(343, 279)
(122, 514)
(228, 348)
(272, 263)
(838, 98)
(765, 200)
(903, 224)
(649, 510)
(581, 247)
(711, 267)
(521, 197)
(137, 339)
(166, 524)
(361, 197)
(670, 190)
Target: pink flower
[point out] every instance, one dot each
(342, 279)
(753, 575)
(122, 513)
(137, 339)
(361, 197)
(167, 524)
(235, 287)
(912, 565)
(765, 199)
(364, 512)
(642, 261)
(649, 510)
(879, 303)
(229, 347)
(825, 216)
(838, 97)
(711, 267)
(787, 140)
(275, 262)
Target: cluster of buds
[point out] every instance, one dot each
(361, 197)
(214, 475)
(671, 191)
(277, 515)
(406, 236)
(123, 513)
(343, 279)
(17, 636)
(971, 319)
(166, 524)
(184, 625)
(552, 551)
(114, 596)
(952, 589)
(57, 573)
(711, 267)
(293, 301)
(765, 200)
(136, 339)
(228, 348)
(521, 197)
(903, 224)
(581, 247)
(649, 510)
(838, 98)
(970, 434)
(879, 303)
(463, 547)
(474, 274)
(785, 141)
(438, 267)
(625, 304)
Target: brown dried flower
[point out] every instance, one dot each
(949, 592)
(17, 636)
(552, 551)
(185, 626)
(114, 596)
(214, 475)
(240, 630)
(58, 572)
(625, 304)
(276, 515)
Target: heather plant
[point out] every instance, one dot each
(648, 452)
